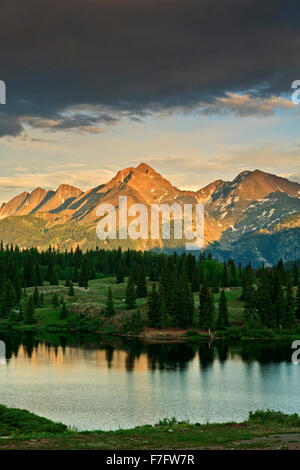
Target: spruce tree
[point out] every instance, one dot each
(11, 299)
(71, 289)
(136, 322)
(121, 273)
(289, 314)
(222, 320)
(206, 308)
(141, 288)
(29, 311)
(130, 294)
(195, 284)
(55, 301)
(249, 315)
(64, 312)
(3, 306)
(36, 296)
(109, 307)
(154, 317)
(264, 305)
(295, 274)
(84, 274)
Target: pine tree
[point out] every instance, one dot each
(29, 311)
(141, 288)
(3, 307)
(249, 315)
(289, 314)
(36, 296)
(109, 307)
(154, 317)
(136, 322)
(71, 289)
(195, 284)
(225, 277)
(121, 273)
(41, 301)
(295, 274)
(206, 308)
(264, 303)
(223, 320)
(130, 294)
(278, 299)
(11, 299)
(84, 274)
(64, 312)
(55, 301)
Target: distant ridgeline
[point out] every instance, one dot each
(179, 290)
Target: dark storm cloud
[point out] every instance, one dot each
(136, 56)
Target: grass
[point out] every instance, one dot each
(20, 429)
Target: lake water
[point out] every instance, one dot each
(95, 383)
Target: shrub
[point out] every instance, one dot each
(271, 416)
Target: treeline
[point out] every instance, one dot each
(268, 293)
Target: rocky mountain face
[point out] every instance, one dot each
(251, 217)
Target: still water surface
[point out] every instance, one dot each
(95, 383)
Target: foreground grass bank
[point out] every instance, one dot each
(20, 429)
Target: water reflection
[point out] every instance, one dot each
(158, 356)
(93, 382)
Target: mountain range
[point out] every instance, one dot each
(256, 216)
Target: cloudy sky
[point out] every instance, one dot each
(198, 89)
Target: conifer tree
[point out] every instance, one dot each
(130, 294)
(109, 307)
(249, 315)
(36, 296)
(206, 308)
(225, 277)
(141, 288)
(222, 320)
(71, 289)
(84, 274)
(64, 312)
(121, 273)
(295, 274)
(289, 314)
(154, 312)
(3, 306)
(10, 295)
(55, 301)
(29, 311)
(264, 303)
(278, 300)
(41, 301)
(195, 284)
(136, 322)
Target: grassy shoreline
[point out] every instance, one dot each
(20, 429)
